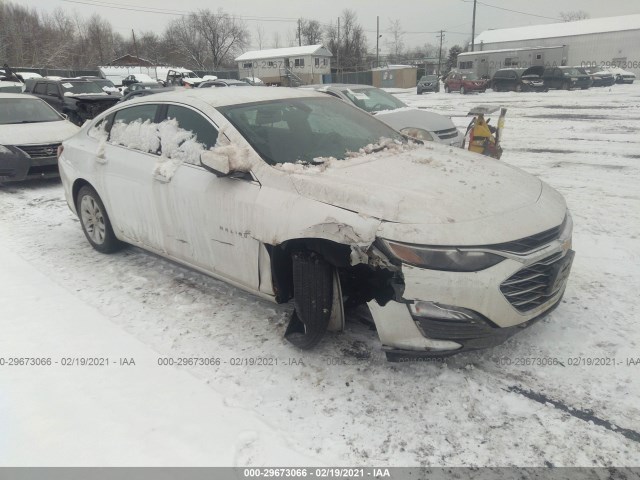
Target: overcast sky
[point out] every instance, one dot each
(419, 18)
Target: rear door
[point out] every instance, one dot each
(129, 162)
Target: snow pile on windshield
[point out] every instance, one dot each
(320, 164)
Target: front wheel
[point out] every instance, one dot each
(419, 92)
(95, 221)
(313, 299)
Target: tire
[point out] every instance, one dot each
(74, 118)
(313, 298)
(419, 92)
(566, 86)
(462, 90)
(95, 221)
(446, 89)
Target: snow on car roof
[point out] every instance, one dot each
(284, 52)
(561, 29)
(219, 97)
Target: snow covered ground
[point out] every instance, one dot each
(341, 404)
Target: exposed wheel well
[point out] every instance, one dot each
(360, 283)
(77, 185)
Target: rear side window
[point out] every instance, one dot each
(141, 113)
(41, 89)
(52, 89)
(135, 128)
(187, 119)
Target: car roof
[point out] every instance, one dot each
(16, 95)
(220, 97)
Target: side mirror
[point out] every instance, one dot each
(216, 162)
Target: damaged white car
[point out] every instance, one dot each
(294, 195)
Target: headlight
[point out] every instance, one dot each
(446, 259)
(418, 133)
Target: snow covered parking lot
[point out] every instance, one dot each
(563, 392)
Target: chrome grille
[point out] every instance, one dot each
(446, 134)
(40, 151)
(534, 285)
(529, 244)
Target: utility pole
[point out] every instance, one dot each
(135, 45)
(473, 27)
(377, 41)
(338, 52)
(299, 32)
(440, 51)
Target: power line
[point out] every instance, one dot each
(513, 11)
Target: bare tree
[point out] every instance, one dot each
(311, 32)
(260, 36)
(351, 46)
(186, 43)
(276, 39)
(395, 40)
(572, 16)
(223, 34)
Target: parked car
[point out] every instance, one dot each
(223, 83)
(10, 86)
(464, 83)
(622, 76)
(447, 259)
(414, 122)
(255, 81)
(79, 99)
(599, 77)
(30, 134)
(428, 83)
(566, 78)
(518, 80)
(138, 78)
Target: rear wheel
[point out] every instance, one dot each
(95, 221)
(313, 299)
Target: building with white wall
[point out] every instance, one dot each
(285, 66)
(607, 41)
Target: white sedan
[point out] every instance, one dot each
(292, 194)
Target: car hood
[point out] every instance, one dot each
(36, 133)
(416, 118)
(430, 184)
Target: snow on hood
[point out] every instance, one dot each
(428, 184)
(85, 95)
(37, 133)
(415, 118)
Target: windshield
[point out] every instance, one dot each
(429, 78)
(26, 110)
(76, 88)
(372, 100)
(190, 75)
(302, 129)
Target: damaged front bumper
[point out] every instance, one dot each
(441, 313)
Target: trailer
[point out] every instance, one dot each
(485, 63)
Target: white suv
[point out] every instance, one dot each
(292, 194)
